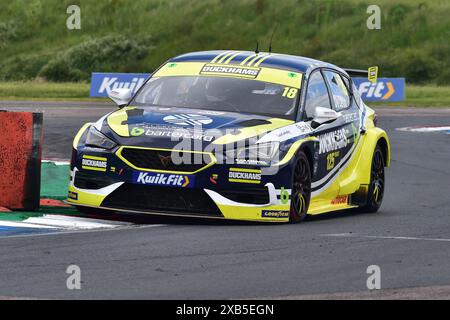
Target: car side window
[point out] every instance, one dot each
(316, 94)
(339, 91)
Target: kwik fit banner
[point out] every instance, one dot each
(103, 83)
(385, 89)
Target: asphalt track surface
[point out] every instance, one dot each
(325, 257)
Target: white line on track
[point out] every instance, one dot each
(75, 231)
(77, 223)
(351, 235)
(19, 224)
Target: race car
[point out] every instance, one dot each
(238, 135)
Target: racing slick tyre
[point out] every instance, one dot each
(376, 186)
(301, 189)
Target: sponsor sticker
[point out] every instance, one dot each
(275, 214)
(372, 74)
(340, 200)
(103, 83)
(73, 195)
(244, 175)
(94, 163)
(237, 71)
(383, 89)
(284, 196)
(164, 179)
(170, 132)
(332, 141)
(252, 162)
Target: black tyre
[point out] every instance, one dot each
(376, 187)
(301, 189)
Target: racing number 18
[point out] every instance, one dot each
(289, 92)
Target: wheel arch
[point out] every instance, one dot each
(309, 149)
(309, 154)
(384, 146)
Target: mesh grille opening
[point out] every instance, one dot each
(162, 199)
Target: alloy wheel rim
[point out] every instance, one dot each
(377, 178)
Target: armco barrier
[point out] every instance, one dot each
(20, 160)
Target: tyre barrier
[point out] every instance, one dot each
(21, 138)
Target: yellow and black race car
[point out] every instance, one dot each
(235, 135)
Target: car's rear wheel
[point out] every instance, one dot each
(376, 187)
(301, 189)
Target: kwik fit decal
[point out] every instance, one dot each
(103, 83)
(163, 179)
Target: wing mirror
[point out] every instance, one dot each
(121, 96)
(324, 115)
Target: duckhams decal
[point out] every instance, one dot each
(332, 141)
(94, 163)
(163, 179)
(245, 72)
(244, 175)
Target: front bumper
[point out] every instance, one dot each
(104, 179)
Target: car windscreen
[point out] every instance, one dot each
(219, 93)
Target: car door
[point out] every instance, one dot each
(326, 89)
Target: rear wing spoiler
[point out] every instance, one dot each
(357, 72)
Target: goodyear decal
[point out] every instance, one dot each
(163, 179)
(274, 214)
(94, 163)
(244, 175)
(384, 89)
(237, 71)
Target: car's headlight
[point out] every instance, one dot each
(264, 152)
(97, 139)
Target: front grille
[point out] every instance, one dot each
(85, 180)
(162, 199)
(247, 195)
(185, 161)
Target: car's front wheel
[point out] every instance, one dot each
(376, 187)
(301, 189)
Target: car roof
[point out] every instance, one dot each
(271, 60)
